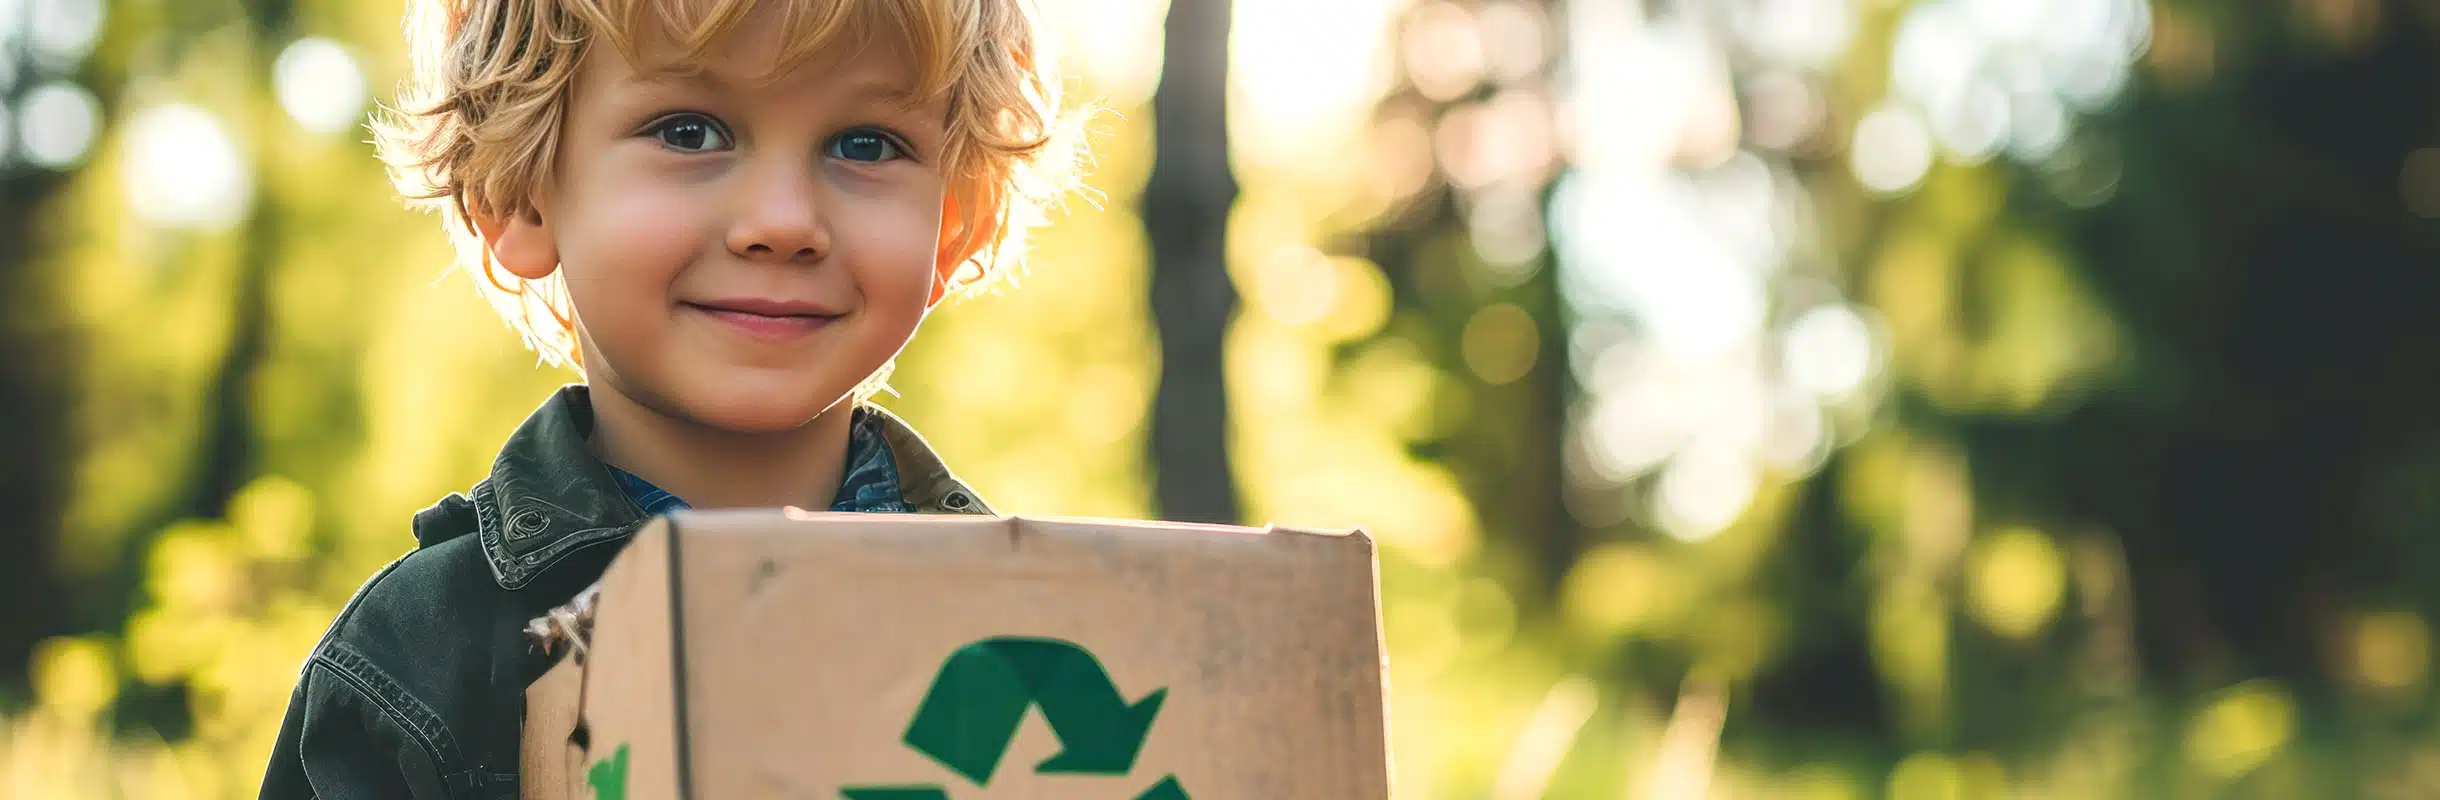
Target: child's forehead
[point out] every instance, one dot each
(882, 67)
(755, 41)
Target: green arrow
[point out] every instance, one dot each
(972, 710)
(1167, 789)
(608, 777)
(894, 793)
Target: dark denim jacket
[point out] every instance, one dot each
(418, 688)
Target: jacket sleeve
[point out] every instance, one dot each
(337, 744)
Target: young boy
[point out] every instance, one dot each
(730, 215)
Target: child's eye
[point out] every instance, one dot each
(865, 146)
(690, 133)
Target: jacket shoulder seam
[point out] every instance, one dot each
(359, 675)
(347, 612)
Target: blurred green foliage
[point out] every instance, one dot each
(2141, 511)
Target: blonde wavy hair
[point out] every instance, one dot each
(477, 126)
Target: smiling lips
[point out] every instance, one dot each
(766, 319)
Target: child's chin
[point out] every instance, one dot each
(754, 425)
(742, 410)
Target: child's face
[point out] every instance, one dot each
(741, 250)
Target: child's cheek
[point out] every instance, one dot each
(648, 232)
(903, 236)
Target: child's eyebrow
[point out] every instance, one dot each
(672, 76)
(886, 93)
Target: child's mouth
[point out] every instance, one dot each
(769, 321)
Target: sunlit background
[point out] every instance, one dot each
(1753, 398)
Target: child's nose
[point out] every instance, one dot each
(760, 251)
(780, 222)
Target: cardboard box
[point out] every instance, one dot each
(864, 657)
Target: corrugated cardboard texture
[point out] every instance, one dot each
(811, 642)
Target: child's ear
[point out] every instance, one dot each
(952, 252)
(962, 235)
(940, 288)
(521, 241)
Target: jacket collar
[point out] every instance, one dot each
(548, 497)
(923, 479)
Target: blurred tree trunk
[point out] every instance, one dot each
(225, 459)
(37, 396)
(1185, 208)
(2272, 245)
(36, 391)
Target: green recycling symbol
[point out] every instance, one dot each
(971, 713)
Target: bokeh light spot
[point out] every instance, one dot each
(1506, 230)
(1973, 126)
(1301, 75)
(1620, 588)
(1402, 157)
(184, 171)
(2240, 728)
(62, 31)
(1500, 343)
(1935, 776)
(319, 84)
(74, 675)
(12, 21)
(2085, 173)
(1782, 110)
(1927, 776)
(1800, 438)
(1296, 286)
(195, 567)
(1809, 33)
(1116, 44)
(1361, 302)
(1891, 150)
(1443, 51)
(1505, 140)
(2392, 650)
(1829, 351)
(274, 518)
(1702, 492)
(56, 124)
(1514, 39)
(2015, 580)
(2039, 126)
(1656, 252)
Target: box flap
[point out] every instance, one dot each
(553, 762)
(633, 668)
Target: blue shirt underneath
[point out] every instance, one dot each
(869, 484)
